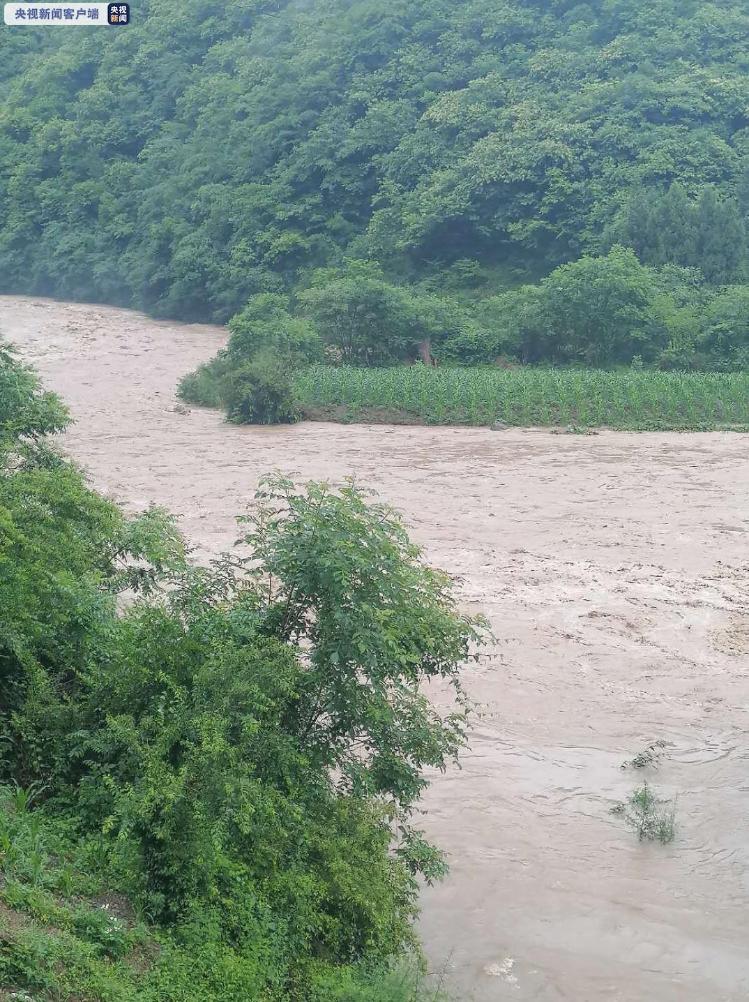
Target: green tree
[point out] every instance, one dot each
(64, 554)
(359, 313)
(674, 229)
(27, 413)
(254, 742)
(721, 250)
(724, 341)
(266, 324)
(601, 311)
(243, 750)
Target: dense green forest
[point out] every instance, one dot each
(207, 791)
(552, 182)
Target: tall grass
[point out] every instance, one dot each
(626, 399)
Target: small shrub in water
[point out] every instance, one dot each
(652, 819)
(648, 756)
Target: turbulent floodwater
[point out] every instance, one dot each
(615, 572)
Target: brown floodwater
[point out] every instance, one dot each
(615, 571)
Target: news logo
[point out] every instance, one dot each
(118, 13)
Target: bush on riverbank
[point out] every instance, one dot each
(261, 392)
(257, 392)
(206, 385)
(208, 794)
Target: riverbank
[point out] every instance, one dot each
(614, 569)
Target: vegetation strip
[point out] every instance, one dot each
(529, 397)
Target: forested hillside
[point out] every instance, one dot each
(418, 160)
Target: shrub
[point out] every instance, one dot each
(261, 392)
(206, 385)
(67, 933)
(649, 756)
(651, 818)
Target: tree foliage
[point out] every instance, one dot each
(241, 746)
(260, 391)
(600, 311)
(670, 228)
(209, 155)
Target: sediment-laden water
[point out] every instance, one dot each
(615, 572)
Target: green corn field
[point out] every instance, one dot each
(626, 399)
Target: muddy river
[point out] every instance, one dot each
(615, 571)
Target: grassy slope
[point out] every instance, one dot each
(66, 936)
(63, 935)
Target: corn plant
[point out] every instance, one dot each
(627, 399)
